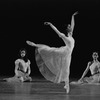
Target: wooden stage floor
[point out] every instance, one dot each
(44, 90)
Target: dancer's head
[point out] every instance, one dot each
(23, 53)
(69, 30)
(95, 55)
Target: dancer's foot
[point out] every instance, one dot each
(67, 88)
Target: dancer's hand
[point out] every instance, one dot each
(80, 80)
(47, 23)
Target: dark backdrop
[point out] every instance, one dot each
(22, 20)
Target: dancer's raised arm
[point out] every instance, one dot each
(62, 35)
(71, 27)
(55, 29)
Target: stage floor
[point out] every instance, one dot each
(40, 89)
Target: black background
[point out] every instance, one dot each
(22, 20)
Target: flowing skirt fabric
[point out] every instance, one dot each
(54, 63)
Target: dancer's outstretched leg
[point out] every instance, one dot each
(42, 46)
(31, 43)
(35, 45)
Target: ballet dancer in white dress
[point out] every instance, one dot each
(54, 63)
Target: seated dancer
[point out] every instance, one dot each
(54, 63)
(22, 69)
(94, 68)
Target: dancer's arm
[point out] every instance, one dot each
(86, 70)
(29, 69)
(73, 22)
(16, 67)
(29, 62)
(55, 29)
(58, 32)
(70, 28)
